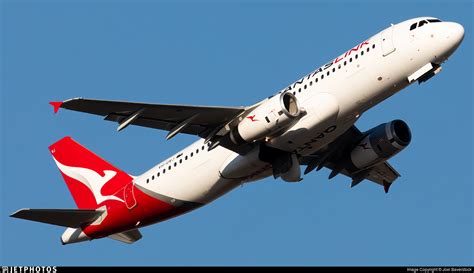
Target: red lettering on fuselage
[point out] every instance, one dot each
(355, 49)
(363, 43)
(338, 59)
(326, 66)
(352, 49)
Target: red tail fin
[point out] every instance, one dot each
(90, 179)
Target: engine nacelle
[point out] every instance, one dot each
(271, 118)
(381, 143)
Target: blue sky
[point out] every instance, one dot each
(233, 54)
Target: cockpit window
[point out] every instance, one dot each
(423, 22)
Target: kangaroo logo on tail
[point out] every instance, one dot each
(90, 179)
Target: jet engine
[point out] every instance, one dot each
(269, 119)
(381, 143)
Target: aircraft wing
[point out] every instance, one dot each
(157, 116)
(208, 122)
(332, 157)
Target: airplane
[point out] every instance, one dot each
(309, 123)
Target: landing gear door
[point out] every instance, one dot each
(387, 41)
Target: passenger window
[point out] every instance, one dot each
(152, 177)
(158, 174)
(316, 80)
(164, 171)
(305, 86)
(148, 180)
(180, 161)
(175, 164)
(362, 53)
(357, 56)
(310, 83)
(327, 74)
(368, 49)
(350, 60)
(412, 27)
(334, 69)
(345, 62)
(186, 158)
(191, 154)
(202, 148)
(322, 76)
(373, 46)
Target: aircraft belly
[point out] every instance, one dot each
(245, 168)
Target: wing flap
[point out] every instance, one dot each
(383, 173)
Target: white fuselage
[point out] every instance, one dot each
(356, 82)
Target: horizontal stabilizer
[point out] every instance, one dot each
(61, 217)
(127, 237)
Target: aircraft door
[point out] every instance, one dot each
(129, 196)
(387, 41)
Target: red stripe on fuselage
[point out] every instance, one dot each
(148, 210)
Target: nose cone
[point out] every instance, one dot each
(455, 34)
(451, 36)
